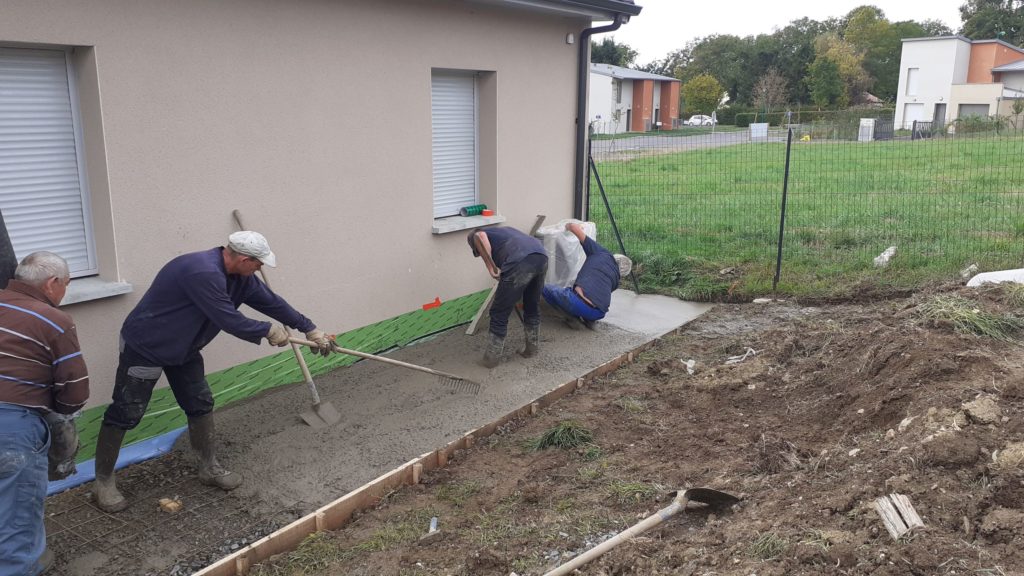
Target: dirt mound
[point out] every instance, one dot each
(808, 413)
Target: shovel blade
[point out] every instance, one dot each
(321, 415)
(709, 497)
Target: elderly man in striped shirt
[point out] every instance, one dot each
(43, 380)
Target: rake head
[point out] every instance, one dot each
(460, 384)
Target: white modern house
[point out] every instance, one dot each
(948, 77)
(625, 100)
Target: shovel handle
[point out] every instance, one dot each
(298, 353)
(644, 525)
(383, 359)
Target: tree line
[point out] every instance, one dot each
(833, 63)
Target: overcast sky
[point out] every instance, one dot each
(666, 25)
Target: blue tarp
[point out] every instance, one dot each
(132, 454)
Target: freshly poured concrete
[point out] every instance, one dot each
(391, 414)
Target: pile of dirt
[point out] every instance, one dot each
(809, 414)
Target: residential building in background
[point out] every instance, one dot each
(625, 100)
(948, 77)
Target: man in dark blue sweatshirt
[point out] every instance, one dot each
(519, 263)
(590, 295)
(192, 299)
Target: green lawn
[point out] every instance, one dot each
(944, 204)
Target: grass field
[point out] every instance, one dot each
(944, 203)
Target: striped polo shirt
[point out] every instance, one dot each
(41, 364)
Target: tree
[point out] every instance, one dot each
(611, 52)
(848, 60)
(827, 89)
(770, 90)
(933, 27)
(702, 94)
(728, 57)
(999, 19)
(671, 64)
(796, 53)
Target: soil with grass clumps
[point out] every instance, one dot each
(808, 413)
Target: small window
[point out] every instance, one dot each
(912, 74)
(43, 190)
(454, 121)
(618, 91)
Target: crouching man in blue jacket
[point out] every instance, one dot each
(590, 295)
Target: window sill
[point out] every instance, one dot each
(92, 288)
(456, 223)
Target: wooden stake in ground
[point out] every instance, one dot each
(897, 514)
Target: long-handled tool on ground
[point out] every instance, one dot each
(702, 495)
(457, 383)
(323, 414)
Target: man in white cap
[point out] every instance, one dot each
(192, 298)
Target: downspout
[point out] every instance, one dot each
(582, 72)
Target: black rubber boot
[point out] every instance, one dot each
(495, 345)
(211, 473)
(532, 341)
(104, 489)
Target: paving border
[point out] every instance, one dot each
(338, 513)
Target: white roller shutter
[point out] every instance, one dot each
(42, 194)
(453, 105)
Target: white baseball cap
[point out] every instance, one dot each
(249, 243)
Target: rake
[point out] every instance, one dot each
(456, 383)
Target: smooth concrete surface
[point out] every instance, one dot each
(651, 314)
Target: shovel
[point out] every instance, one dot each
(702, 495)
(321, 414)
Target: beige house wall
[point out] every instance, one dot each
(313, 118)
(973, 94)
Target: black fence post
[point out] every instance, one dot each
(611, 217)
(782, 217)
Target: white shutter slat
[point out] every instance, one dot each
(454, 146)
(41, 193)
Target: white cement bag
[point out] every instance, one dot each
(997, 277)
(565, 253)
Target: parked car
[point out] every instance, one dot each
(700, 120)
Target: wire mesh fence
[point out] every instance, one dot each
(701, 208)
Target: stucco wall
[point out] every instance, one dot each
(974, 94)
(941, 63)
(313, 118)
(600, 102)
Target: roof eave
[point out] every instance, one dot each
(594, 9)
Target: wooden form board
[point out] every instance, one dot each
(338, 513)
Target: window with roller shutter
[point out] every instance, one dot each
(43, 189)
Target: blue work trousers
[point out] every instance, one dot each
(568, 301)
(24, 442)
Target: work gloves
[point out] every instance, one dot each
(277, 335)
(63, 445)
(324, 343)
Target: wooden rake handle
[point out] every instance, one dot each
(359, 354)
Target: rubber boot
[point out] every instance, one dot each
(532, 341)
(492, 356)
(108, 446)
(211, 473)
